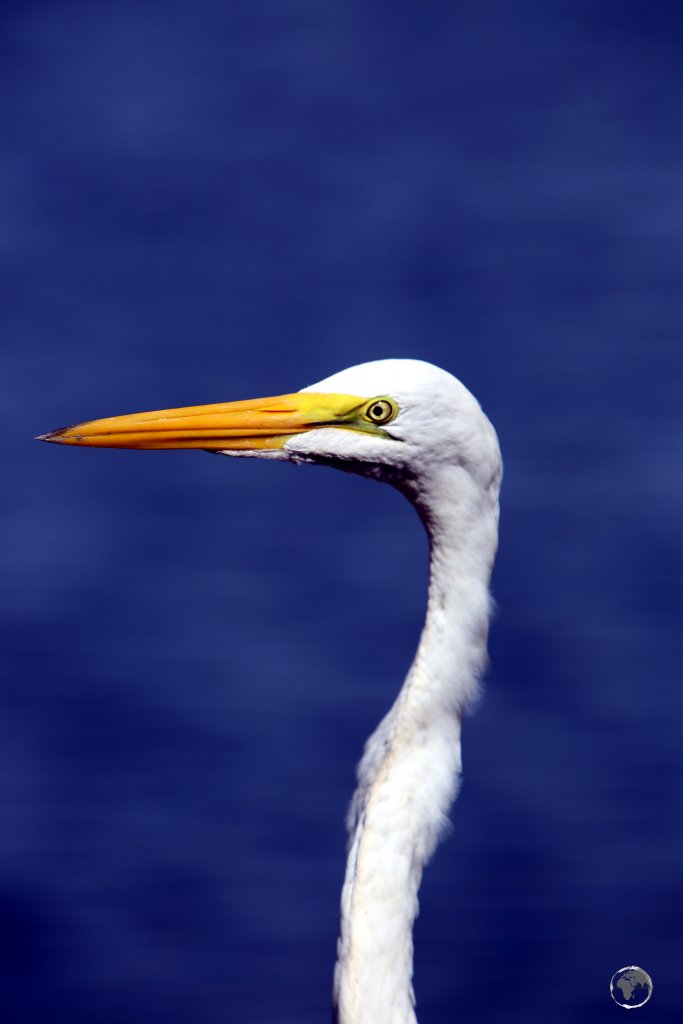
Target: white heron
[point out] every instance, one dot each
(417, 427)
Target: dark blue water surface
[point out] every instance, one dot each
(211, 201)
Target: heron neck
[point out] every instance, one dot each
(461, 519)
(408, 775)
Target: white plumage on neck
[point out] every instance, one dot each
(408, 775)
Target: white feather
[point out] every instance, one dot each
(444, 454)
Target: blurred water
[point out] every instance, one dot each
(209, 203)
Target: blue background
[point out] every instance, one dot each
(203, 202)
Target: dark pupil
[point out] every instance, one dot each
(378, 411)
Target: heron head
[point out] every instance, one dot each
(390, 418)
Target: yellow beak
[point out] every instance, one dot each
(252, 424)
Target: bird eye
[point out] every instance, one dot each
(380, 411)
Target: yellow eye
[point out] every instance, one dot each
(381, 410)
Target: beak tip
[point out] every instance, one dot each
(54, 436)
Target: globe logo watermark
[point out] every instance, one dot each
(631, 987)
